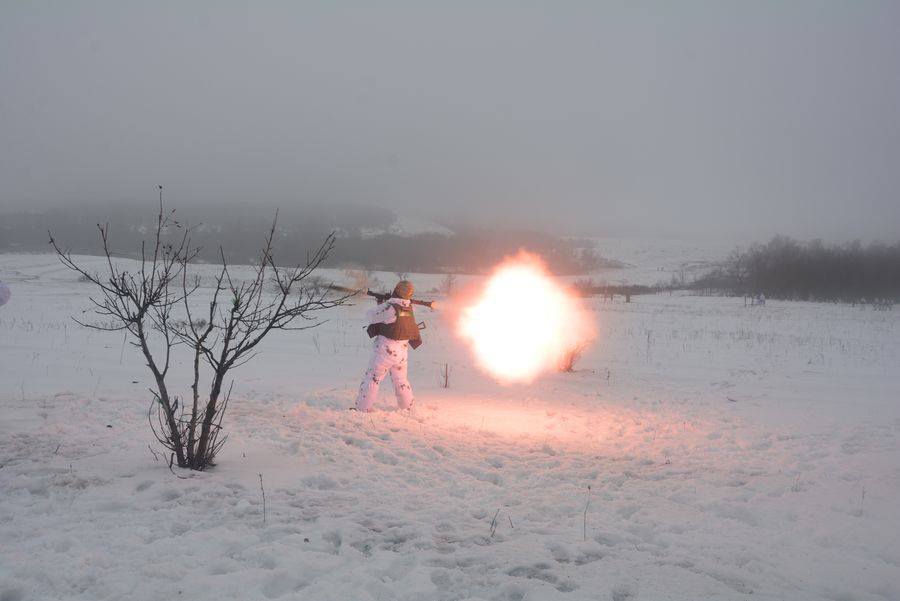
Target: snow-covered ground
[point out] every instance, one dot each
(704, 450)
(651, 261)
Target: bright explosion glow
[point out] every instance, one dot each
(523, 322)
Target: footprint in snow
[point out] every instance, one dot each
(483, 476)
(11, 594)
(282, 583)
(542, 571)
(385, 458)
(169, 494)
(622, 592)
(334, 538)
(356, 442)
(320, 482)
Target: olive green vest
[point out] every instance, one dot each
(404, 328)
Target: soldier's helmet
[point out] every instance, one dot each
(404, 289)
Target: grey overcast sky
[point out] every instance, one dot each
(677, 118)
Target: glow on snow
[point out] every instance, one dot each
(523, 322)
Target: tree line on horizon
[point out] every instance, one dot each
(788, 269)
(364, 238)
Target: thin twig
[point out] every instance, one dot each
(494, 522)
(172, 469)
(263, 498)
(155, 455)
(587, 504)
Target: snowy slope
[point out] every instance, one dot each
(651, 261)
(407, 226)
(731, 453)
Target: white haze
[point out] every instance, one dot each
(732, 119)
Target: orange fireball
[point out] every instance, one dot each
(523, 322)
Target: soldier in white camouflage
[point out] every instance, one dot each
(393, 326)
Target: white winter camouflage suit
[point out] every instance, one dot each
(388, 356)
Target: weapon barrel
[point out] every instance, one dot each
(383, 297)
(342, 289)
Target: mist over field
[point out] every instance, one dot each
(697, 119)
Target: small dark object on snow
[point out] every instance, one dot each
(109, 425)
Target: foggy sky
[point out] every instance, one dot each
(636, 118)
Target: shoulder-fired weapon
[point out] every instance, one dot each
(381, 296)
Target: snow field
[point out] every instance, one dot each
(730, 452)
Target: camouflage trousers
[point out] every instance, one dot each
(388, 356)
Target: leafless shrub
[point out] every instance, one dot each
(237, 318)
(143, 301)
(316, 283)
(448, 284)
(571, 357)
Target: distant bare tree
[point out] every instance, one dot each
(448, 284)
(361, 279)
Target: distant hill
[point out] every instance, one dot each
(369, 238)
